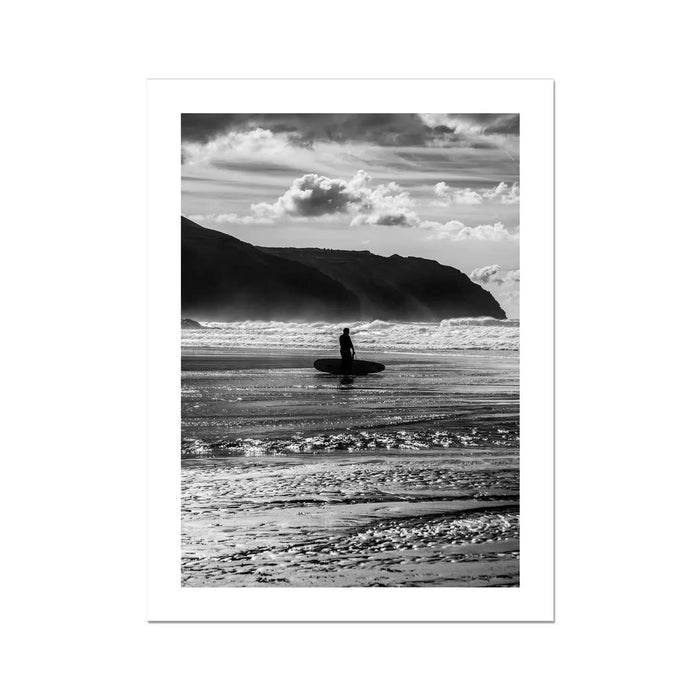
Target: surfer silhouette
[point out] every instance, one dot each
(347, 351)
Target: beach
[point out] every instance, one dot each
(293, 477)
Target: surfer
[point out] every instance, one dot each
(347, 351)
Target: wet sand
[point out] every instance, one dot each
(406, 478)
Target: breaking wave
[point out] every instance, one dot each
(481, 321)
(354, 441)
(452, 334)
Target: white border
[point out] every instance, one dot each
(534, 599)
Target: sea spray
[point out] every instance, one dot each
(450, 335)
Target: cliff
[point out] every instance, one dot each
(226, 279)
(398, 288)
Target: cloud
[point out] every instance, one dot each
(312, 196)
(477, 124)
(199, 128)
(230, 219)
(482, 275)
(447, 195)
(456, 231)
(494, 274)
(495, 123)
(401, 218)
(255, 144)
(306, 129)
(502, 193)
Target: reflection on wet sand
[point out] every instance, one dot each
(407, 478)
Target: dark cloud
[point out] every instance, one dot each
(508, 124)
(398, 219)
(504, 124)
(199, 128)
(305, 129)
(317, 196)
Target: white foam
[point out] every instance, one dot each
(481, 321)
(449, 335)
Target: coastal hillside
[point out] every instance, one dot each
(398, 288)
(225, 279)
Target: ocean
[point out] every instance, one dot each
(409, 477)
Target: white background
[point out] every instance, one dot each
(73, 287)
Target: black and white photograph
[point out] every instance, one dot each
(350, 349)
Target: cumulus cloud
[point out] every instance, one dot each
(314, 195)
(496, 275)
(378, 218)
(249, 145)
(502, 193)
(457, 231)
(482, 275)
(447, 195)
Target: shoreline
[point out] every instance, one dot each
(243, 358)
(280, 358)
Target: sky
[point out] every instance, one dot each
(438, 186)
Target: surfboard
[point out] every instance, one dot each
(335, 366)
